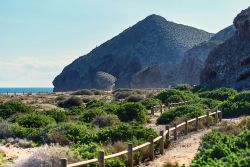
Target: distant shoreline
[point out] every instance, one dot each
(26, 90)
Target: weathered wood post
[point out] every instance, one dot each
(151, 148)
(130, 155)
(63, 162)
(101, 162)
(207, 119)
(220, 116)
(196, 123)
(216, 116)
(161, 109)
(7, 93)
(152, 111)
(168, 134)
(23, 93)
(14, 93)
(175, 132)
(186, 127)
(162, 142)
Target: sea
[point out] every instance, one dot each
(27, 90)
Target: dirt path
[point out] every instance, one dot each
(182, 151)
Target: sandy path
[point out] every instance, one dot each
(182, 151)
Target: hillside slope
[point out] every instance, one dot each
(153, 43)
(194, 59)
(229, 64)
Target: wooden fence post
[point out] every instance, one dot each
(151, 148)
(101, 161)
(152, 111)
(175, 132)
(197, 123)
(207, 119)
(130, 155)
(186, 127)
(168, 134)
(162, 142)
(220, 116)
(63, 162)
(161, 109)
(216, 117)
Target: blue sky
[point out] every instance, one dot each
(38, 38)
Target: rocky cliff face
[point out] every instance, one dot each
(229, 64)
(152, 41)
(194, 59)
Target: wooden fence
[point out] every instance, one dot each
(164, 135)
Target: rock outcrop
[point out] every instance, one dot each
(153, 40)
(229, 64)
(150, 77)
(194, 59)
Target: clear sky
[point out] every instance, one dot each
(38, 38)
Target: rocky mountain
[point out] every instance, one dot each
(229, 63)
(194, 59)
(150, 50)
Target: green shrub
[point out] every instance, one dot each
(173, 96)
(132, 112)
(76, 110)
(183, 87)
(111, 107)
(221, 149)
(71, 102)
(209, 103)
(34, 120)
(83, 92)
(150, 102)
(89, 115)
(13, 107)
(219, 94)
(239, 105)
(188, 111)
(125, 93)
(58, 115)
(105, 120)
(94, 104)
(134, 98)
(126, 133)
(66, 133)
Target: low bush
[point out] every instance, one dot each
(89, 115)
(105, 120)
(150, 102)
(125, 93)
(134, 98)
(10, 108)
(223, 149)
(209, 103)
(76, 110)
(188, 111)
(71, 102)
(94, 104)
(58, 115)
(34, 120)
(174, 96)
(220, 94)
(125, 132)
(83, 92)
(237, 106)
(66, 133)
(183, 87)
(132, 112)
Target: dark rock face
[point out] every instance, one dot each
(153, 40)
(242, 24)
(150, 77)
(194, 59)
(229, 64)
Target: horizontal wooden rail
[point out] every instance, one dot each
(101, 158)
